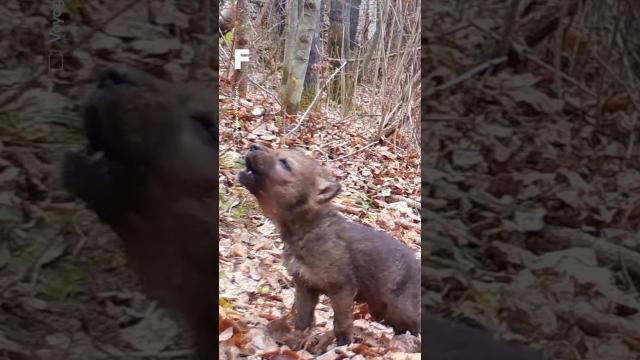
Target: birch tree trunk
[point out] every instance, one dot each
(311, 75)
(381, 18)
(290, 43)
(299, 50)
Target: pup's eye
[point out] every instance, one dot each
(285, 164)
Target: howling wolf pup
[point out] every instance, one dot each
(149, 171)
(327, 254)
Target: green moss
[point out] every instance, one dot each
(239, 212)
(233, 163)
(361, 202)
(74, 6)
(307, 97)
(337, 90)
(238, 209)
(24, 258)
(9, 216)
(64, 286)
(49, 128)
(229, 38)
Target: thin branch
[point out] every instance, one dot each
(525, 51)
(315, 99)
(467, 75)
(354, 152)
(508, 29)
(274, 96)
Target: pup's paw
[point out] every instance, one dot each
(343, 338)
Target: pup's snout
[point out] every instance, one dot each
(255, 147)
(116, 75)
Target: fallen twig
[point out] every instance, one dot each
(354, 152)
(467, 75)
(265, 90)
(605, 251)
(525, 51)
(409, 225)
(414, 204)
(348, 209)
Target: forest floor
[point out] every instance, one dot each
(381, 187)
(532, 176)
(66, 290)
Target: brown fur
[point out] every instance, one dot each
(446, 340)
(327, 254)
(150, 173)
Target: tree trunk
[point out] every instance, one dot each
(265, 12)
(273, 13)
(238, 77)
(290, 43)
(373, 44)
(354, 18)
(225, 20)
(338, 49)
(311, 75)
(309, 17)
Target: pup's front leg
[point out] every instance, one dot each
(305, 302)
(342, 304)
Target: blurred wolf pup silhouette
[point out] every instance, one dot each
(149, 171)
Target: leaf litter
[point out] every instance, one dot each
(66, 290)
(531, 211)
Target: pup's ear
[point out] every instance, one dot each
(327, 190)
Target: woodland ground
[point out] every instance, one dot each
(532, 168)
(66, 291)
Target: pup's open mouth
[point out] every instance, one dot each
(91, 151)
(92, 154)
(249, 177)
(251, 169)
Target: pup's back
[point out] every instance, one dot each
(388, 273)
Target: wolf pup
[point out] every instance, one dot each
(149, 171)
(327, 254)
